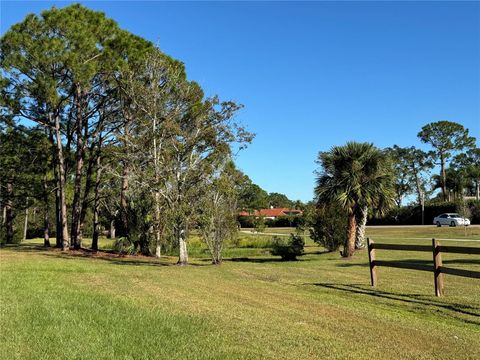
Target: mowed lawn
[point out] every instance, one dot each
(56, 305)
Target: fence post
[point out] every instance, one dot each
(371, 262)
(437, 263)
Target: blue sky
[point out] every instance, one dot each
(315, 74)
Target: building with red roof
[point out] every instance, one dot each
(273, 213)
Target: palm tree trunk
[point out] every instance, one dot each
(61, 185)
(351, 235)
(361, 225)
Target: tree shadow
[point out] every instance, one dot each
(26, 248)
(319, 252)
(417, 299)
(101, 255)
(263, 260)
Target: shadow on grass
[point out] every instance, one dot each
(26, 248)
(101, 255)
(417, 299)
(262, 260)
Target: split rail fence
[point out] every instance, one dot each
(438, 269)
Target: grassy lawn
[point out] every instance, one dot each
(55, 305)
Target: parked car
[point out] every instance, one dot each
(451, 219)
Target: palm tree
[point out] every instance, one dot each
(356, 175)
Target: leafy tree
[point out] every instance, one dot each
(180, 141)
(278, 200)
(59, 69)
(21, 154)
(355, 175)
(469, 162)
(251, 196)
(420, 163)
(456, 182)
(401, 168)
(409, 164)
(446, 138)
(217, 220)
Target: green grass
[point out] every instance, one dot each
(55, 305)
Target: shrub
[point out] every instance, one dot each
(260, 225)
(288, 249)
(474, 206)
(329, 226)
(123, 247)
(246, 221)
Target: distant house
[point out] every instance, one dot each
(273, 213)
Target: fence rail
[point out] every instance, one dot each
(438, 269)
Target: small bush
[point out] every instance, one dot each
(123, 246)
(288, 249)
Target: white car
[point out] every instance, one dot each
(451, 219)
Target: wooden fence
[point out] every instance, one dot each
(438, 269)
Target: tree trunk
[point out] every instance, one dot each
(93, 159)
(123, 201)
(46, 222)
(351, 235)
(477, 189)
(418, 185)
(25, 224)
(361, 225)
(96, 203)
(112, 229)
(158, 247)
(444, 177)
(182, 245)
(9, 216)
(58, 222)
(61, 187)
(125, 175)
(79, 160)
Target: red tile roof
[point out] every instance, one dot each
(275, 212)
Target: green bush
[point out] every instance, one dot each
(288, 249)
(329, 226)
(123, 246)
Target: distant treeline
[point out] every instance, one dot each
(412, 215)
